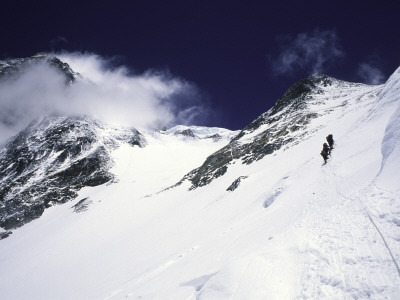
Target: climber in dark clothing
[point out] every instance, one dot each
(324, 155)
(326, 148)
(325, 152)
(329, 138)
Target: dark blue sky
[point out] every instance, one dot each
(242, 55)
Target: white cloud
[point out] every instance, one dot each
(153, 99)
(314, 52)
(370, 74)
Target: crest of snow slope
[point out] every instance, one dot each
(293, 229)
(391, 141)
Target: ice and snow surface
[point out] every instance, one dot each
(293, 229)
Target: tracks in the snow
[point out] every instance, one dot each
(343, 252)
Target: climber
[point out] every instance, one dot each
(325, 152)
(326, 148)
(329, 138)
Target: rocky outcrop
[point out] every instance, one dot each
(186, 133)
(236, 183)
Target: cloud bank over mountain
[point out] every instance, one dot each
(153, 99)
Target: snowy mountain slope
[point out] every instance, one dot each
(286, 123)
(165, 158)
(292, 229)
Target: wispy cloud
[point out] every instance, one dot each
(315, 51)
(370, 73)
(152, 99)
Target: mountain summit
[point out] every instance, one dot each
(15, 67)
(90, 210)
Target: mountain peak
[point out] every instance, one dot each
(318, 76)
(51, 160)
(296, 94)
(15, 67)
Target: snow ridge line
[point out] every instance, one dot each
(383, 238)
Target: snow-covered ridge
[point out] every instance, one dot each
(203, 132)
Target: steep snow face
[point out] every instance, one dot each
(391, 152)
(391, 141)
(285, 226)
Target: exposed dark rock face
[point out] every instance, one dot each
(295, 96)
(284, 124)
(186, 133)
(82, 205)
(51, 160)
(15, 67)
(215, 137)
(235, 184)
(5, 234)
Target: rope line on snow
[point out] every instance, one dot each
(378, 230)
(373, 223)
(383, 239)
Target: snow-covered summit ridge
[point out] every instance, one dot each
(202, 131)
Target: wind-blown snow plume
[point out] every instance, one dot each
(313, 52)
(370, 74)
(113, 94)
